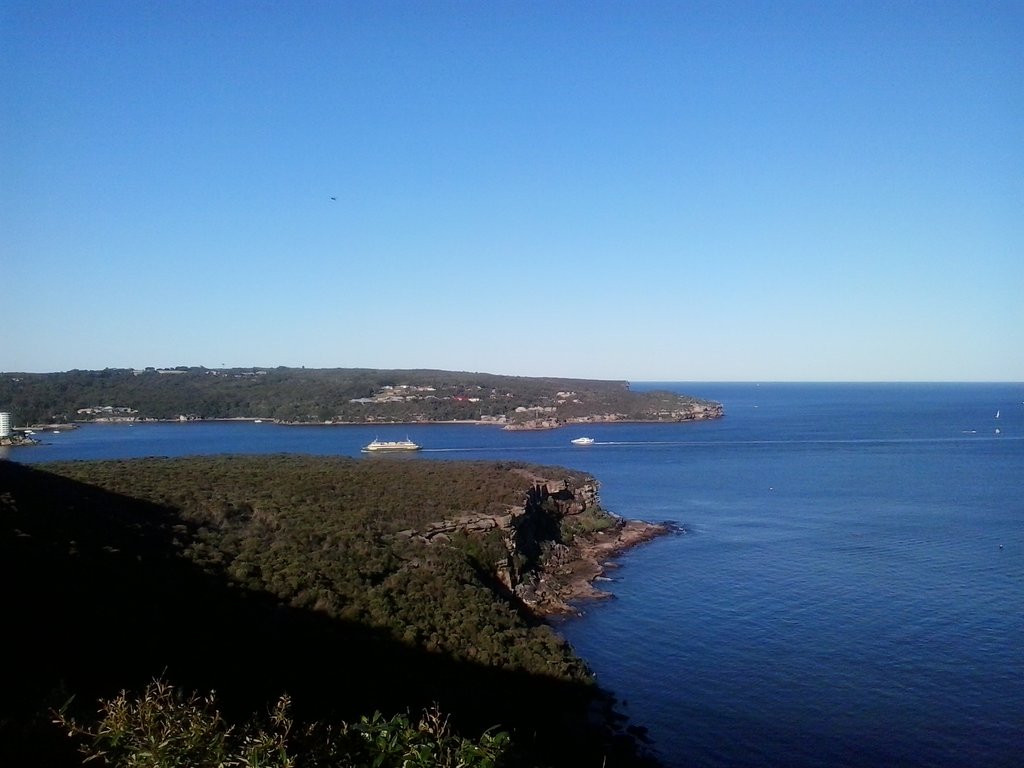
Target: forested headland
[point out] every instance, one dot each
(333, 581)
(341, 395)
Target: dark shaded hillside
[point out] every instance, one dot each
(106, 590)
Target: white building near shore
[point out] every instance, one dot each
(5, 424)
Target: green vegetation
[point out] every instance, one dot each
(590, 521)
(263, 577)
(163, 728)
(335, 395)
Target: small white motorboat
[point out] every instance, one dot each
(583, 441)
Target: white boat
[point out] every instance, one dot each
(381, 446)
(583, 441)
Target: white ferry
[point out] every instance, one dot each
(380, 446)
(583, 441)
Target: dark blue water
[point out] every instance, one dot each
(849, 589)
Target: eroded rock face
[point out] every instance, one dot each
(541, 568)
(469, 524)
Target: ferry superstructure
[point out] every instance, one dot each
(381, 446)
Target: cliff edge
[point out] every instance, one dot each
(555, 545)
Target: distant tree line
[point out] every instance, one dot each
(318, 395)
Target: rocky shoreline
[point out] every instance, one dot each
(558, 543)
(568, 576)
(696, 411)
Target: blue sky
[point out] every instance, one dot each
(645, 191)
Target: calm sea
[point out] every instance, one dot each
(848, 588)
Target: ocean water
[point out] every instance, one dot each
(847, 588)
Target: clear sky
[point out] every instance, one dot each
(627, 190)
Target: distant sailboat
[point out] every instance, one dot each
(997, 414)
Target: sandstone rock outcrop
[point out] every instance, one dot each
(557, 543)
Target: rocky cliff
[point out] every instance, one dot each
(555, 545)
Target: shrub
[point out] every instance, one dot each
(164, 728)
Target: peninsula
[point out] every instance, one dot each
(336, 396)
(349, 586)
